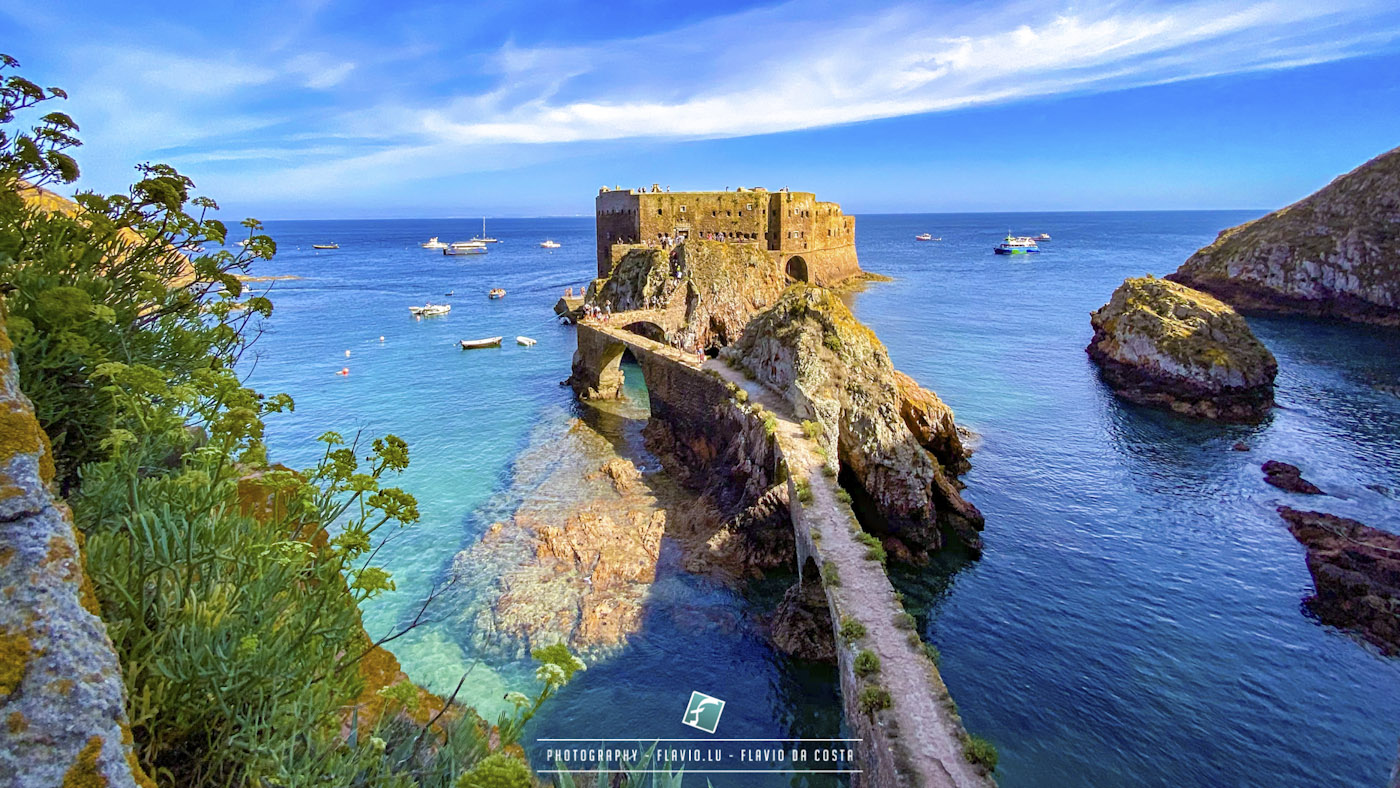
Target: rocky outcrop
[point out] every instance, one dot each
(1335, 253)
(708, 290)
(809, 348)
(1356, 572)
(801, 624)
(931, 423)
(1288, 477)
(1163, 344)
(61, 691)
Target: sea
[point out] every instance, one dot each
(1137, 617)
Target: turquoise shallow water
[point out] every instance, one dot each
(1136, 618)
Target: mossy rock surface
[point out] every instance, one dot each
(1164, 344)
(1335, 253)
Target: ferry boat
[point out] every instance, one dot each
(465, 247)
(496, 292)
(325, 246)
(433, 243)
(1016, 245)
(549, 244)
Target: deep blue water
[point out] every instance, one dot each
(1136, 618)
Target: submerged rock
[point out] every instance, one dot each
(1163, 344)
(1335, 253)
(1356, 572)
(1288, 477)
(810, 349)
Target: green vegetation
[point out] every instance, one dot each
(812, 430)
(874, 551)
(814, 533)
(843, 496)
(804, 490)
(832, 342)
(831, 576)
(770, 424)
(980, 751)
(235, 618)
(828, 471)
(851, 629)
(866, 663)
(934, 656)
(741, 394)
(903, 620)
(874, 698)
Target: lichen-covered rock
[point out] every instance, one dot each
(708, 290)
(835, 372)
(931, 422)
(1356, 571)
(1335, 253)
(801, 624)
(61, 692)
(1163, 344)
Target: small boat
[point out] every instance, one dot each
(1016, 245)
(484, 238)
(429, 309)
(547, 244)
(325, 246)
(496, 292)
(449, 293)
(923, 237)
(1043, 237)
(526, 341)
(473, 344)
(433, 243)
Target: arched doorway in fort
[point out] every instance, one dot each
(797, 269)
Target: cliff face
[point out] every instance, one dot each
(809, 348)
(705, 290)
(1336, 253)
(61, 690)
(1163, 344)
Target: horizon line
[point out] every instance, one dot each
(857, 215)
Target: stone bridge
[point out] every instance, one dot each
(918, 740)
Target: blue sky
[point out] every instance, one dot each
(342, 110)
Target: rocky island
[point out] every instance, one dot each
(1335, 253)
(1356, 571)
(1163, 344)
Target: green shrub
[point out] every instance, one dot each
(804, 490)
(814, 533)
(828, 471)
(498, 770)
(843, 496)
(770, 424)
(904, 620)
(851, 629)
(979, 751)
(874, 551)
(831, 576)
(811, 429)
(874, 698)
(741, 394)
(832, 342)
(866, 662)
(934, 656)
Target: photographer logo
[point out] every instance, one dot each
(703, 712)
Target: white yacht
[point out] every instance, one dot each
(433, 243)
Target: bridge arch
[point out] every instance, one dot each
(797, 268)
(647, 329)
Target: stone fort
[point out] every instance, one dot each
(812, 241)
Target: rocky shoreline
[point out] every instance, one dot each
(1356, 574)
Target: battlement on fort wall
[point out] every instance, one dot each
(811, 240)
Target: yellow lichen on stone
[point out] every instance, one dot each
(15, 653)
(16, 723)
(84, 773)
(19, 432)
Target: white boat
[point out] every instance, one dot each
(1043, 237)
(465, 247)
(549, 244)
(484, 238)
(430, 309)
(433, 243)
(325, 246)
(472, 344)
(526, 341)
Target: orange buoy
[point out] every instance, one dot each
(344, 371)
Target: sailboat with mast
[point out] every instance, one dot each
(484, 238)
